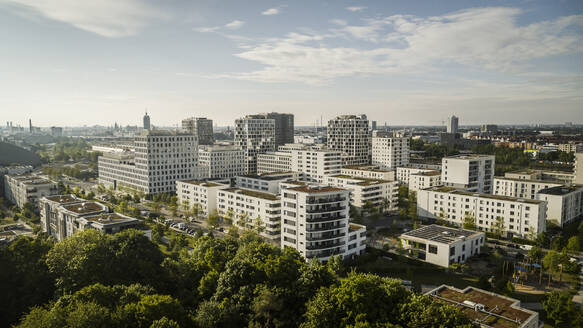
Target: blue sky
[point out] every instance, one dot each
(70, 62)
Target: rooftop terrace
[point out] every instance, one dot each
(201, 183)
(86, 207)
(440, 234)
(312, 189)
(561, 190)
(253, 193)
(63, 199)
(110, 218)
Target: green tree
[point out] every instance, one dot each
(196, 210)
(573, 244)
(213, 220)
(243, 220)
(258, 224)
(229, 216)
(559, 307)
(185, 205)
(469, 222)
(498, 228)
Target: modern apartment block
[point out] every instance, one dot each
(252, 209)
(12, 170)
(487, 309)
(470, 172)
(315, 221)
(369, 172)
(27, 188)
(349, 135)
(404, 173)
(564, 203)
(160, 158)
(364, 190)
(199, 193)
(201, 127)
(423, 180)
(284, 127)
(64, 215)
(274, 162)
(390, 152)
(521, 216)
(255, 135)
(443, 246)
(521, 188)
(571, 147)
(221, 162)
(268, 182)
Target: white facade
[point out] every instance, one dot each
(443, 246)
(363, 190)
(256, 208)
(26, 188)
(521, 216)
(564, 203)
(204, 193)
(571, 147)
(470, 172)
(314, 164)
(578, 168)
(349, 135)
(423, 180)
(220, 162)
(521, 188)
(404, 173)
(254, 135)
(315, 221)
(269, 182)
(390, 152)
(369, 172)
(274, 162)
(160, 158)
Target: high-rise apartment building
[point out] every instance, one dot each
(452, 124)
(146, 121)
(349, 135)
(390, 152)
(254, 134)
(470, 172)
(284, 127)
(315, 221)
(221, 162)
(160, 158)
(201, 127)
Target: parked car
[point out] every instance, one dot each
(526, 247)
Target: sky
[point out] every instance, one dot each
(74, 63)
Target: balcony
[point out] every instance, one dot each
(326, 253)
(325, 245)
(325, 209)
(325, 200)
(327, 227)
(326, 236)
(323, 218)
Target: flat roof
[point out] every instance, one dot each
(469, 156)
(366, 168)
(201, 183)
(428, 173)
(110, 218)
(253, 193)
(63, 199)
(316, 189)
(441, 234)
(561, 190)
(296, 182)
(454, 191)
(273, 176)
(363, 181)
(500, 311)
(529, 180)
(85, 207)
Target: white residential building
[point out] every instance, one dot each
(349, 135)
(422, 180)
(364, 190)
(521, 188)
(254, 134)
(578, 169)
(404, 173)
(390, 152)
(564, 203)
(161, 158)
(203, 193)
(521, 216)
(470, 172)
(571, 147)
(443, 246)
(315, 221)
(274, 162)
(369, 172)
(252, 209)
(27, 188)
(221, 162)
(268, 182)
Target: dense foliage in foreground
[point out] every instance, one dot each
(124, 280)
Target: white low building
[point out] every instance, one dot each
(521, 188)
(27, 188)
(199, 193)
(252, 209)
(369, 172)
(315, 221)
(443, 246)
(268, 182)
(363, 190)
(221, 162)
(564, 203)
(423, 180)
(404, 173)
(521, 216)
(470, 172)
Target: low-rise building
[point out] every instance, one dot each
(443, 246)
(365, 191)
(487, 309)
(268, 182)
(315, 221)
(252, 209)
(404, 173)
(27, 188)
(12, 170)
(564, 203)
(221, 162)
(541, 175)
(369, 172)
(274, 162)
(521, 188)
(521, 217)
(571, 147)
(469, 172)
(422, 180)
(199, 193)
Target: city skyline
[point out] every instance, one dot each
(513, 62)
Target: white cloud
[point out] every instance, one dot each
(356, 8)
(483, 39)
(234, 25)
(108, 18)
(271, 11)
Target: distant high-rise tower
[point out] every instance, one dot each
(146, 121)
(452, 124)
(374, 125)
(255, 134)
(349, 134)
(30, 125)
(201, 127)
(284, 127)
